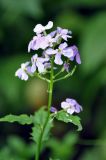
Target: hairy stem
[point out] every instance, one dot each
(50, 91)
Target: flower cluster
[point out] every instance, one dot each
(71, 106)
(54, 45)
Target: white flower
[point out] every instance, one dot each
(39, 28)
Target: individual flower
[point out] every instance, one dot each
(71, 106)
(61, 33)
(41, 42)
(76, 54)
(38, 62)
(40, 28)
(22, 72)
(62, 50)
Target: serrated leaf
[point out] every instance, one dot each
(40, 119)
(65, 117)
(22, 119)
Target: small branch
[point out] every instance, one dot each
(42, 78)
(67, 75)
(62, 70)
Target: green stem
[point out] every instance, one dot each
(49, 106)
(42, 78)
(67, 75)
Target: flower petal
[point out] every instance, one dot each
(33, 68)
(24, 76)
(63, 45)
(49, 25)
(68, 52)
(50, 51)
(58, 59)
(70, 110)
(78, 60)
(39, 28)
(65, 105)
(40, 66)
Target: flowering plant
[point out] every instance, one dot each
(52, 65)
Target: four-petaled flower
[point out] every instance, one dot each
(22, 72)
(71, 106)
(38, 62)
(62, 50)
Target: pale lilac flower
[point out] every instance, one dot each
(61, 33)
(41, 42)
(62, 50)
(76, 54)
(37, 42)
(40, 28)
(71, 106)
(22, 72)
(38, 62)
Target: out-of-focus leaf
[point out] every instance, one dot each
(15, 9)
(93, 46)
(65, 117)
(17, 149)
(63, 148)
(93, 86)
(11, 87)
(26, 150)
(40, 119)
(22, 119)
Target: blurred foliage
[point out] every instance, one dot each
(63, 148)
(87, 20)
(17, 149)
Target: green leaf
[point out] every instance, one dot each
(39, 130)
(22, 119)
(63, 148)
(65, 117)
